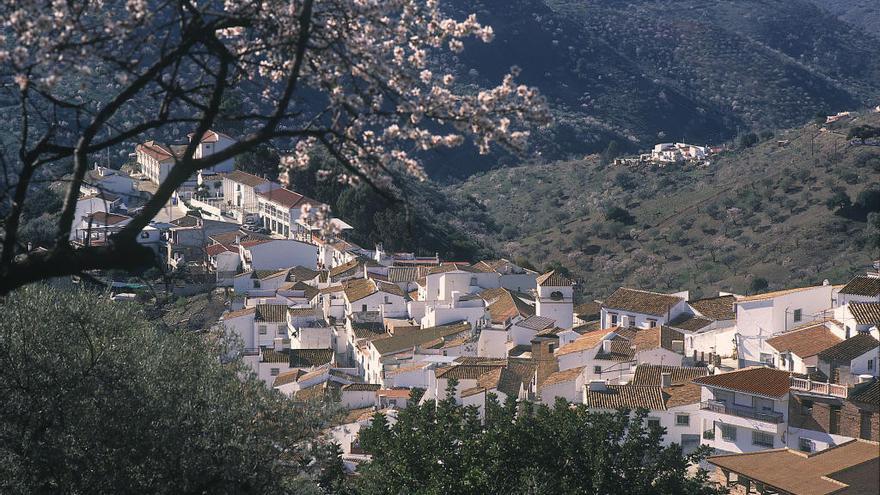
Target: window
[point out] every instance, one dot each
(834, 420)
(728, 432)
(806, 407)
(767, 358)
(274, 371)
(870, 364)
(762, 439)
(473, 281)
(653, 423)
(613, 318)
(597, 370)
(387, 300)
(262, 329)
(556, 295)
(682, 420)
(652, 323)
(865, 425)
(364, 308)
(805, 445)
(797, 315)
(256, 283)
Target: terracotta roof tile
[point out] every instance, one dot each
(768, 382)
(271, 313)
(309, 358)
(641, 301)
(568, 375)
(867, 393)
(821, 473)
(466, 371)
(688, 322)
(503, 305)
(358, 288)
(361, 387)
(625, 397)
(588, 340)
(286, 377)
(715, 308)
(865, 313)
(346, 269)
(862, 286)
(536, 323)
(682, 395)
(651, 374)
(408, 340)
(850, 348)
(805, 342)
(553, 279)
(244, 178)
(241, 312)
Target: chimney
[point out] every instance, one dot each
(542, 354)
(865, 378)
(597, 386)
(665, 380)
(278, 343)
(606, 346)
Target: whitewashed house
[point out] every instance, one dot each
(280, 208)
(364, 294)
(308, 329)
(745, 410)
(512, 276)
(763, 316)
(706, 329)
(240, 193)
(641, 308)
(863, 288)
(798, 349)
(846, 361)
(277, 254)
(566, 384)
(859, 317)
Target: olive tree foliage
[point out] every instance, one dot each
(355, 77)
(96, 399)
(444, 448)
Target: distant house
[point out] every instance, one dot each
(640, 308)
(240, 193)
(280, 209)
(845, 361)
(276, 254)
(745, 410)
(763, 316)
(799, 349)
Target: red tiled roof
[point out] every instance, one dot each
(757, 380)
(215, 249)
(805, 342)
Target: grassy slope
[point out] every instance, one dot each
(784, 232)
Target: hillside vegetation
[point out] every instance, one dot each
(643, 70)
(773, 212)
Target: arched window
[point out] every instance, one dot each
(556, 295)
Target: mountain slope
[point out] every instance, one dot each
(694, 70)
(754, 213)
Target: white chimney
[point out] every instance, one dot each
(606, 346)
(865, 378)
(278, 343)
(665, 380)
(624, 321)
(597, 386)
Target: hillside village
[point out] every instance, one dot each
(320, 318)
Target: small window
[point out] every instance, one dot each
(767, 358)
(256, 283)
(473, 281)
(262, 329)
(806, 407)
(870, 364)
(556, 295)
(805, 445)
(682, 420)
(728, 432)
(797, 315)
(613, 318)
(387, 300)
(652, 323)
(653, 423)
(762, 439)
(274, 371)
(834, 420)
(364, 308)
(597, 370)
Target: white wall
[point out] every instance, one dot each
(283, 253)
(243, 326)
(859, 365)
(492, 343)
(357, 399)
(518, 282)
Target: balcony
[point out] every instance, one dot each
(742, 411)
(820, 388)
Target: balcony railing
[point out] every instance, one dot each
(742, 411)
(251, 351)
(822, 388)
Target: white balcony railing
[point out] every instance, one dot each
(821, 388)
